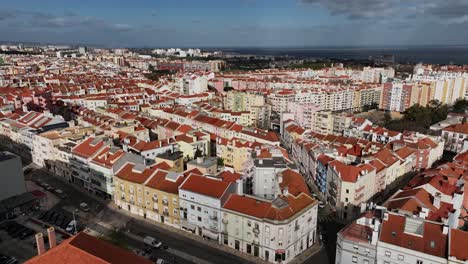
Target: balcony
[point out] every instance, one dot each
(165, 202)
(256, 231)
(214, 217)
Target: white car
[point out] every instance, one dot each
(321, 205)
(84, 207)
(152, 242)
(71, 227)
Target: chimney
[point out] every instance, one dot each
(240, 186)
(52, 238)
(375, 232)
(199, 160)
(437, 198)
(40, 244)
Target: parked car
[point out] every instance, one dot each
(60, 194)
(84, 207)
(321, 204)
(152, 242)
(71, 227)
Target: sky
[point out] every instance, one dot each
(236, 23)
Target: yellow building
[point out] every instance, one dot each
(149, 192)
(235, 152)
(174, 159)
(192, 142)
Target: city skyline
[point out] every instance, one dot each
(246, 23)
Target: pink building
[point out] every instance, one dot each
(303, 113)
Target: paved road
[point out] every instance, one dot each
(99, 210)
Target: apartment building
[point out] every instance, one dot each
(455, 137)
(242, 101)
(82, 154)
(275, 231)
(201, 199)
(380, 237)
(349, 186)
(150, 192)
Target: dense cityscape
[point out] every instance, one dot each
(306, 131)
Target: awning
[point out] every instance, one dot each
(210, 234)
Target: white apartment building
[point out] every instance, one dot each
(275, 231)
(200, 201)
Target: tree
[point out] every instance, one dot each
(220, 161)
(387, 118)
(460, 106)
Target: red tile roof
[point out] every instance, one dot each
(83, 248)
(160, 182)
(458, 240)
(294, 182)
(266, 210)
(229, 176)
(205, 186)
(86, 149)
(393, 232)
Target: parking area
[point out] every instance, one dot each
(17, 239)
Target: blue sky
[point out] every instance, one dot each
(236, 23)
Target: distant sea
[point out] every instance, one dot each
(424, 54)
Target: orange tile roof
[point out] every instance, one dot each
(83, 248)
(294, 182)
(128, 173)
(106, 158)
(205, 186)
(160, 182)
(86, 149)
(458, 240)
(392, 232)
(266, 210)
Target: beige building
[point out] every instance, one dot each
(149, 192)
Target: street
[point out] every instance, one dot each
(103, 220)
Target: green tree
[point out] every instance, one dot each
(220, 161)
(460, 106)
(387, 118)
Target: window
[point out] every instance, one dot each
(401, 257)
(356, 247)
(198, 208)
(347, 190)
(192, 207)
(388, 253)
(354, 260)
(199, 219)
(366, 261)
(432, 244)
(419, 261)
(346, 199)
